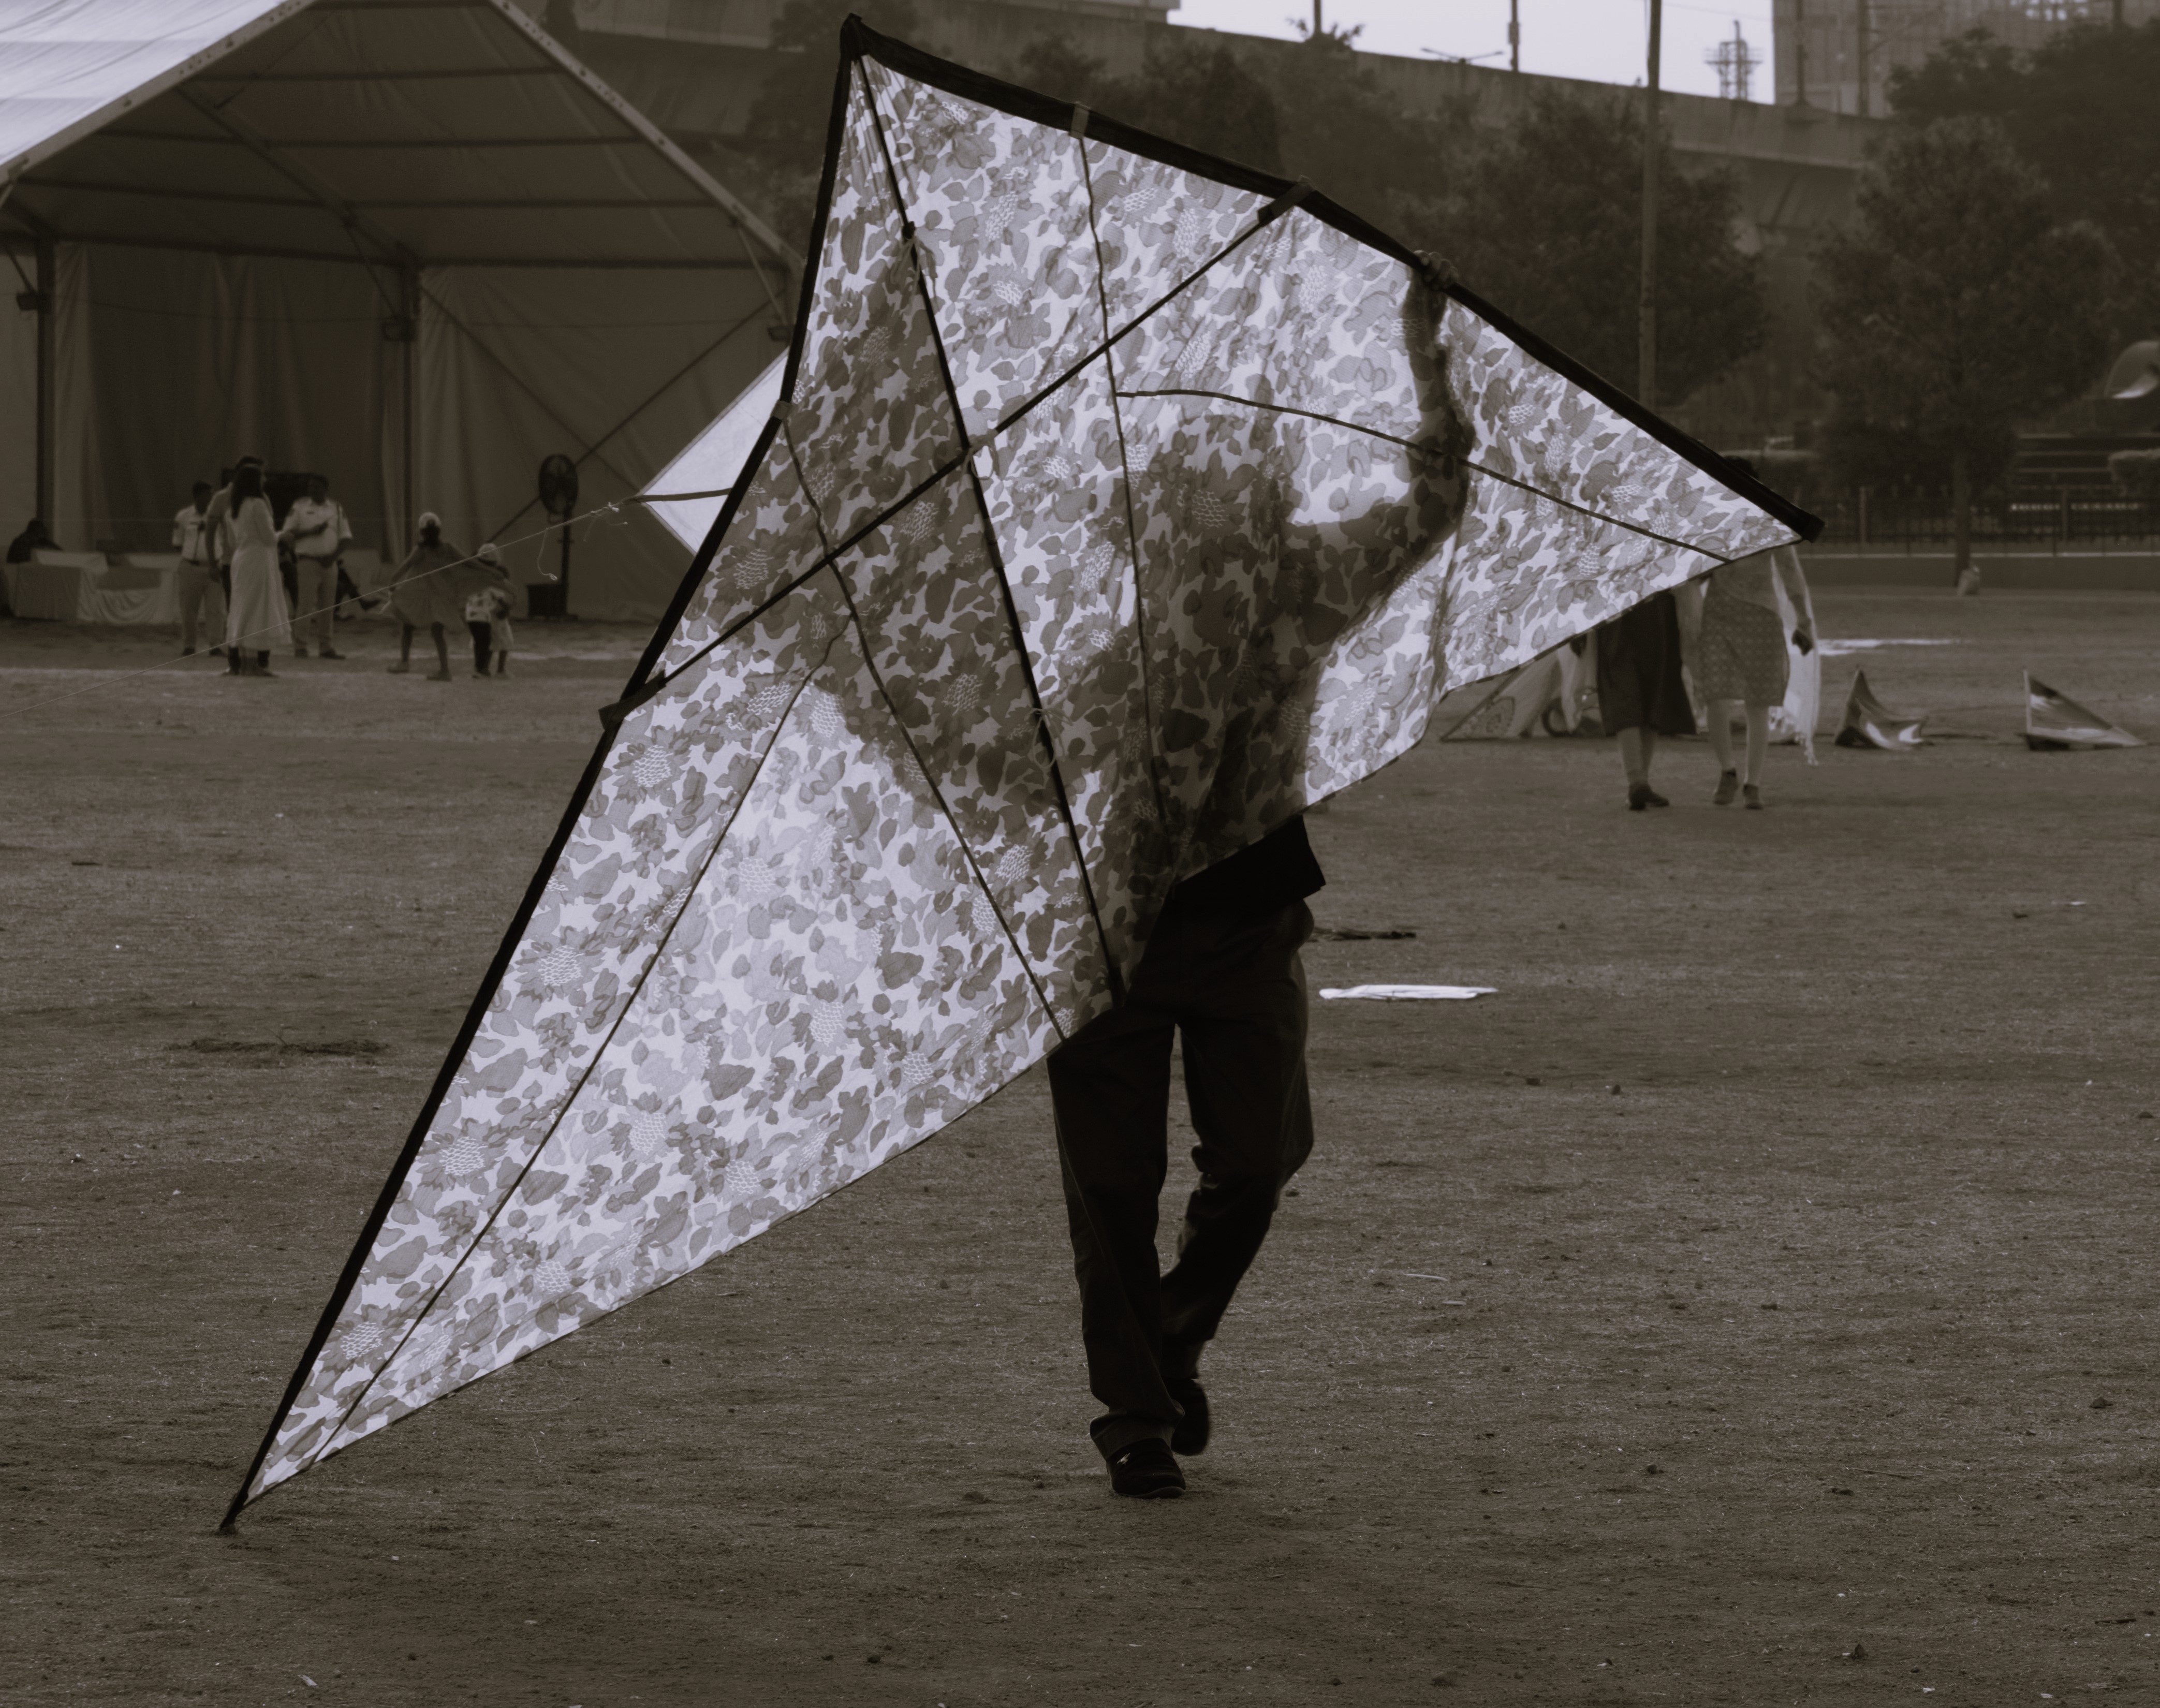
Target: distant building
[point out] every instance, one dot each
(1838, 54)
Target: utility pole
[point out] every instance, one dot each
(1319, 25)
(1862, 28)
(2118, 14)
(1515, 32)
(1800, 53)
(1646, 384)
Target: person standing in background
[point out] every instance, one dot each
(487, 613)
(319, 532)
(426, 592)
(255, 619)
(1640, 693)
(201, 598)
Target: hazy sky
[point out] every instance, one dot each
(1606, 40)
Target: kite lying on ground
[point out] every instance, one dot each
(2053, 720)
(1121, 503)
(1868, 722)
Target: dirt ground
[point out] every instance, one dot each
(1780, 1235)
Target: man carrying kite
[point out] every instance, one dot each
(1222, 969)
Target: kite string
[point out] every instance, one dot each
(105, 680)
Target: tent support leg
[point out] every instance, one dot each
(48, 354)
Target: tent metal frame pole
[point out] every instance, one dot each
(48, 278)
(408, 277)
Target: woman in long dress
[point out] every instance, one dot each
(256, 620)
(1641, 694)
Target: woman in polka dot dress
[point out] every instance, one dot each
(1741, 657)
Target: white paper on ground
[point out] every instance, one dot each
(1412, 993)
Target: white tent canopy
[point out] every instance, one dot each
(411, 244)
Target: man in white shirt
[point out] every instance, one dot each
(317, 527)
(201, 596)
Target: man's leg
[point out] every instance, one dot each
(1110, 1089)
(191, 584)
(319, 589)
(1243, 1026)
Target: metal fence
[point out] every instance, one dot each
(2038, 521)
(2100, 516)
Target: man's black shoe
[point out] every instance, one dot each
(1146, 1472)
(1190, 1437)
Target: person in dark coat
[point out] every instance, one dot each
(1641, 694)
(1221, 971)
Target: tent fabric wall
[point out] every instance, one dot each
(171, 364)
(616, 370)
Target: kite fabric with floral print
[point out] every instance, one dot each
(1121, 504)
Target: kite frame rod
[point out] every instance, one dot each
(570, 1098)
(997, 562)
(860, 41)
(1426, 450)
(642, 690)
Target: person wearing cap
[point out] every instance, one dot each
(425, 593)
(487, 613)
(318, 532)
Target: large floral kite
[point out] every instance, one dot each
(1122, 503)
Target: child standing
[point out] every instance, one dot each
(487, 613)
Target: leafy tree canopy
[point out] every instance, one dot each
(1956, 306)
(786, 140)
(2080, 108)
(1544, 220)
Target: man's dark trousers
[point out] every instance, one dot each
(1232, 985)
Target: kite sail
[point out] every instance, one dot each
(1868, 722)
(2053, 720)
(1120, 503)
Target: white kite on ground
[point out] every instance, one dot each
(2055, 721)
(1868, 722)
(1410, 993)
(1120, 505)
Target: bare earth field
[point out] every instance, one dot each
(1780, 1236)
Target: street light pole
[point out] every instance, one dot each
(1646, 384)
(1515, 35)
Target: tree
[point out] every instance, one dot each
(1320, 114)
(1544, 220)
(786, 140)
(1193, 92)
(1956, 306)
(2079, 108)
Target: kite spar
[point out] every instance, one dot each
(1120, 504)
